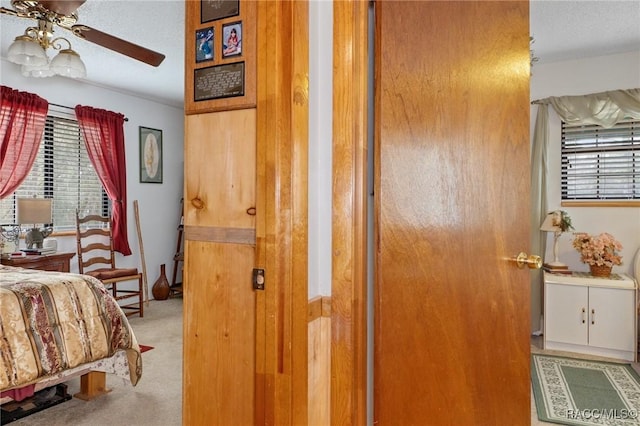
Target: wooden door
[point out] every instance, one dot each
(219, 301)
(452, 206)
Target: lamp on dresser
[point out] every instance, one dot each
(35, 211)
(557, 221)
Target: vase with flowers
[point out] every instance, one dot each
(600, 252)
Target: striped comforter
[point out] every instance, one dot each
(54, 321)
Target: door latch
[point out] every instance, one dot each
(258, 279)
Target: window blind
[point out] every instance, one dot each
(601, 163)
(62, 171)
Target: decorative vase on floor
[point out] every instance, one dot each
(600, 271)
(160, 289)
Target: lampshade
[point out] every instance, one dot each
(67, 63)
(26, 51)
(552, 222)
(34, 210)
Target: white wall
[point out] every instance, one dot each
(580, 77)
(159, 204)
(320, 145)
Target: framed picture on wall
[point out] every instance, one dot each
(212, 10)
(150, 155)
(204, 44)
(232, 39)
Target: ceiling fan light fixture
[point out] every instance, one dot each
(27, 51)
(67, 63)
(30, 49)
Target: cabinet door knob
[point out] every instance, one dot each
(593, 316)
(584, 315)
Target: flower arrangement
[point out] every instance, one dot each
(601, 250)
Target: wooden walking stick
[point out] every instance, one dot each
(144, 264)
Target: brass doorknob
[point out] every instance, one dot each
(532, 261)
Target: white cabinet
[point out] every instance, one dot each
(590, 315)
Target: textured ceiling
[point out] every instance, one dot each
(562, 30)
(576, 29)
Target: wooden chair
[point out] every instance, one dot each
(95, 248)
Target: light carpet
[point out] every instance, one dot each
(585, 392)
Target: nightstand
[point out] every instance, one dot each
(52, 262)
(590, 315)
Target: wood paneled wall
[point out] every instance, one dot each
(320, 361)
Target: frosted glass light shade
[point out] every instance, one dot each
(67, 63)
(26, 51)
(37, 71)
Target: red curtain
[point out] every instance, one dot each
(22, 119)
(103, 133)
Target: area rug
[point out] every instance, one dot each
(584, 392)
(145, 348)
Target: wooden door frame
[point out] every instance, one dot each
(281, 212)
(349, 221)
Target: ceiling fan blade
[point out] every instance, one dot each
(62, 7)
(116, 44)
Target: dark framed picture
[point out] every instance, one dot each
(204, 44)
(211, 10)
(150, 155)
(232, 39)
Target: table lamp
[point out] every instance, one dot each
(557, 221)
(33, 211)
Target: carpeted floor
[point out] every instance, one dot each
(156, 400)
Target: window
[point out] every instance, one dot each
(61, 171)
(601, 164)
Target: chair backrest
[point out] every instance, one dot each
(95, 242)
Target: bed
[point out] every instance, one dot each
(58, 325)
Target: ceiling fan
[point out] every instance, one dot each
(62, 13)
